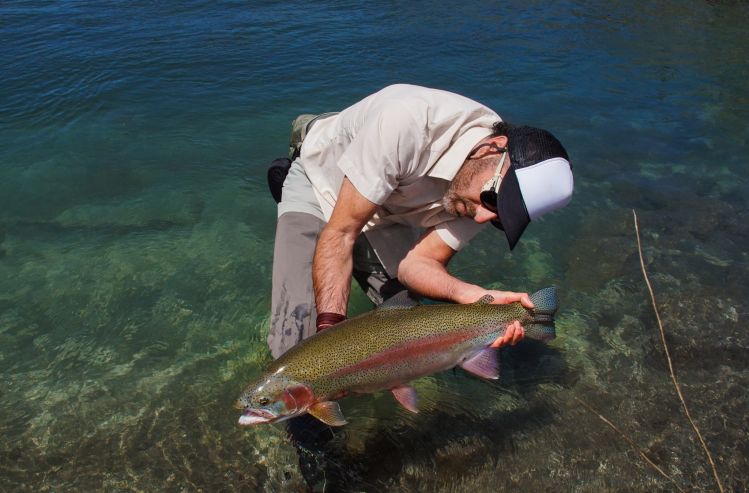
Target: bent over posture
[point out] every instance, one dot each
(389, 190)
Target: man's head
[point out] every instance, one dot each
(513, 176)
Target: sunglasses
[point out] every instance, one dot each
(490, 190)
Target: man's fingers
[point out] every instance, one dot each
(525, 300)
(500, 341)
(518, 334)
(511, 297)
(513, 334)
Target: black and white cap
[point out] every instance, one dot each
(538, 181)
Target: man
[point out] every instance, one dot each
(389, 190)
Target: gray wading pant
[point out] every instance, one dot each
(293, 311)
(293, 299)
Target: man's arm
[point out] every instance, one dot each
(424, 270)
(333, 261)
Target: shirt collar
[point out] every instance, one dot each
(449, 163)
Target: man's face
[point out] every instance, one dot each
(462, 198)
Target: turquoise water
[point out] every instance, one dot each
(136, 234)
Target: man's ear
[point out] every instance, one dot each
(500, 140)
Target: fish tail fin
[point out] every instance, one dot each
(541, 331)
(545, 301)
(546, 305)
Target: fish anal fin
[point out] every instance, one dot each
(329, 412)
(406, 395)
(483, 364)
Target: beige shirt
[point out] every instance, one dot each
(400, 148)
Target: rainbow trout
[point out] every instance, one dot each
(385, 349)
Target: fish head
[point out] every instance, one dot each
(272, 399)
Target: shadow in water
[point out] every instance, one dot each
(452, 445)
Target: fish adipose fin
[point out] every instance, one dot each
(483, 364)
(406, 395)
(329, 412)
(399, 300)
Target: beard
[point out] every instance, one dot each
(451, 200)
(448, 202)
(460, 185)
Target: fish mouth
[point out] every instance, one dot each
(256, 416)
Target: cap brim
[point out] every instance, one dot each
(511, 208)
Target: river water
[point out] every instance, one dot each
(136, 235)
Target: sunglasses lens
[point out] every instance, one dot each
(489, 200)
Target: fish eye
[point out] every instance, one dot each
(263, 401)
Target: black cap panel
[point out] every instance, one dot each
(527, 146)
(511, 208)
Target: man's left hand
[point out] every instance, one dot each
(514, 332)
(505, 297)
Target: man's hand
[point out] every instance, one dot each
(424, 271)
(506, 297)
(514, 332)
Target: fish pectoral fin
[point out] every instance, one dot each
(329, 412)
(406, 395)
(483, 364)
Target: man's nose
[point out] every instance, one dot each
(483, 215)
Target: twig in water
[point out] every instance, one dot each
(630, 441)
(668, 358)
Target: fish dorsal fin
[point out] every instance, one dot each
(329, 412)
(487, 299)
(399, 300)
(483, 364)
(406, 395)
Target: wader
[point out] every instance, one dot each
(300, 221)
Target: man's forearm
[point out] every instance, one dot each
(331, 271)
(430, 278)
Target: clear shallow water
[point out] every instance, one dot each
(136, 235)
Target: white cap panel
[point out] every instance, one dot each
(546, 186)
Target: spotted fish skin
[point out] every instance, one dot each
(386, 348)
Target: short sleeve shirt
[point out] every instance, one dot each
(400, 148)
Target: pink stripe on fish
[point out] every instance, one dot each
(419, 347)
